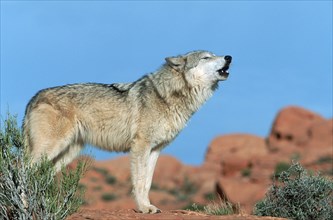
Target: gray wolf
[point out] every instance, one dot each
(141, 117)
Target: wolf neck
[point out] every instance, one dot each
(178, 94)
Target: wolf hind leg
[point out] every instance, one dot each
(49, 133)
(67, 156)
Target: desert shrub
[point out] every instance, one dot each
(32, 191)
(109, 179)
(186, 190)
(188, 187)
(246, 172)
(97, 188)
(108, 197)
(298, 195)
(325, 159)
(94, 179)
(154, 186)
(102, 171)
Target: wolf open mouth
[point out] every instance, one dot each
(224, 71)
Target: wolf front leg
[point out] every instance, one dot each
(153, 156)
(143, 162)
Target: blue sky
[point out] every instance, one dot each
(282, 55)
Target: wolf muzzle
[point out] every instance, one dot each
(224, 70)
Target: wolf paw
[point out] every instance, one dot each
(150, 209)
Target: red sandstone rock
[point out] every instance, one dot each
(235, 152)
(321, 134)
(169, 172)
(292, 128)
(119, 167)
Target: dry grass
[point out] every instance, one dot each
(221, 207)
(217, 207)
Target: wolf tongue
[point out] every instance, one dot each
(225, 68)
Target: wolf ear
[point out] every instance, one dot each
(177, 63)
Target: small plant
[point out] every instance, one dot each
(102, 171)
(94, 179)
(325, 159)
(97, 188)
(279, 168)
(109, 179)
(194, 207)
(188, 187)
(108, 197)
(298, 196)
(155, 187)
(186, 190)
(246, 172)
(210, 196)
(33, 191)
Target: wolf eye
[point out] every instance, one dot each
(206, 58)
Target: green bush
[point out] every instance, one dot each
(109, 179)
(108, 197)
(155, 187)
(97, 188)
(185, 191)
(33, 191)
(188, 187)
(325, 159)
(246, 172)
(298, 196)
(102, 171)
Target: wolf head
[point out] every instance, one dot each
(201, 67)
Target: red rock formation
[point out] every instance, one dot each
(292, 127)
(235, 152)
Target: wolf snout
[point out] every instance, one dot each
(223, 72)
(228, 58)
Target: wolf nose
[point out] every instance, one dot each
(228, 58)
